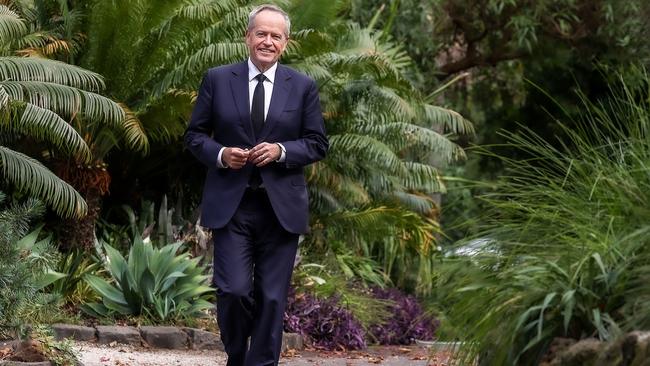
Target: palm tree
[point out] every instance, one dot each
(375, 188)
(35, 96)
(382, 130)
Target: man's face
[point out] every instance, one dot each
(266, 40)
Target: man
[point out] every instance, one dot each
(255, 134)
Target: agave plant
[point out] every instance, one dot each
(158, 283)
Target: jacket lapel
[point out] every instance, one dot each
(281, 91)
(239, 87)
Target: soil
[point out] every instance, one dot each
(92, 354)
(26, 351)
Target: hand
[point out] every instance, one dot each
(234, 157)
(264, 153)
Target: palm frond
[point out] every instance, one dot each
(365, 151)
(207, 9)
(134, 133)
(214, 54)
(423, 178)
(450, 120)
(416, 202)
(65, 100)
(317, 14)
(45, 125)
(11, 26)
(34, 69)
(30, 176)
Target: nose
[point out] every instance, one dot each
(268, 39)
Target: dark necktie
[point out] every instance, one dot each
(257, 117)
(257, 109)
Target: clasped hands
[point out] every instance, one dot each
(260, 155)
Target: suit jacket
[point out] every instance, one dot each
(221, 118)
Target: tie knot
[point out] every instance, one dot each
(260, 78)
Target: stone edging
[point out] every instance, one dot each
(156, 336)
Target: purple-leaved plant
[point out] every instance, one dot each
(323, 322)
(407, 323)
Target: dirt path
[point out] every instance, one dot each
(92, 354)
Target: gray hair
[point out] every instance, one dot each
(269, 7)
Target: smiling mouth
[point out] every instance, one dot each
(266, 50)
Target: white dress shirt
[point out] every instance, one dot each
(269, 82)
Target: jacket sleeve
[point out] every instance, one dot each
(312, 146)
(199, 134)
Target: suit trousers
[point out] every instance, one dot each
(253, 261)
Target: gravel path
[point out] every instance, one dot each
(92, 354)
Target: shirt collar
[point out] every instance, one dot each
(253, 71)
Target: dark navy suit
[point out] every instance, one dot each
(255, 232)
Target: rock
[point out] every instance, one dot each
(200, 339)
(292, 341)
(76, 332)
(611, 354)
(164, 337)
(21, 363)
(557, 346)
(118, 334)
(583, 353)
(636, 349)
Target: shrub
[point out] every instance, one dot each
(324, 322)
(24, 264)
(157, 283)
(565, 241)
(407, 321)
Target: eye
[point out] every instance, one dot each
(260, 35)
(277, 37)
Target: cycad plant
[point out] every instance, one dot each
(383, 131)
(388, 144)
(564, 248)
(39, 99)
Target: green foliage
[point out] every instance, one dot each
(25, 263)
(155, 63)
(59, 353)
(157, 283)
(72, 288)
(375, 187)
(563, 248)
(37, 99)
(323, 282)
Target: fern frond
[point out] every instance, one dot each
(30, 176)
(34, 69)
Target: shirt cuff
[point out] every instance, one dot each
(220, 163)
(283, 153)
